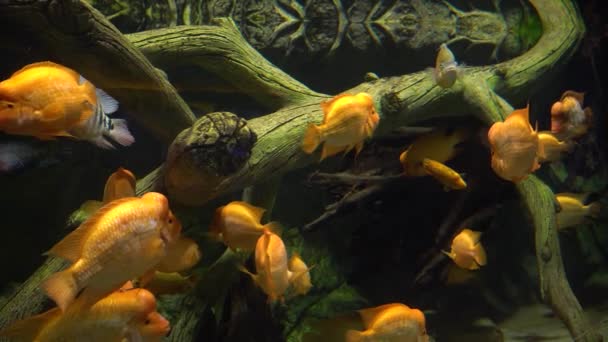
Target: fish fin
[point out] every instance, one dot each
(403, 155)
(369, 314)
(358, 148)
(120, 133)
(120, 184)
(61, 287)
(354, 336)
(27, 329)
(132, 335)
(329, 150)
(479, 254)
(595, 209)
(312, 139)
(274, 227)
(448, 254)
(128, 285)
(522, 113)
(474, 235)
(108, 103)
(254, 277)
(580, 97)
(327, 104)
(257, 212)
(371, 123)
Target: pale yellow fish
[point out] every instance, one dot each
(181, 256)
(347, 121)
(394, 322)
(439, 145)
(120, 184)
(123, 240)
(169, 283)
(515, 147)
(467, 251)
(446, 70)
(238, 225)
(271, 266)
(552, 148)
(572, 210)
(108, 320)
(450, 179)
(300, 275)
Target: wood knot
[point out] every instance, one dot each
(391, 104)
(546, 254)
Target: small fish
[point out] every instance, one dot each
(440, 145)
(446, 68)
(170, 283)
(181, 256)
(48, 100)
(515, 146)
(271, 265)
(123, 240)
(18, 155)
(394, 322)
(552, 148)
(573, 211)
(450, 179)
(467, 251)
(151, 329)
(238, 225)
(300, 280)
(568, 118)
(347, 121)
(109, 319)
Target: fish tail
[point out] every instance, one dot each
(61, 287)
(354, 336)
(120, 132)
(595, 209)
(479, 254)
(274, 227)
(312, 139)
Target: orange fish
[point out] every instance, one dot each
(347, 121)
(110, 319)
(47, 100)
(152, 328)
(394, 322)
(573, 211)
(120, 184)
(568, 118)
(300, 280)
(440, 145)
(467, 251)
(169, 283)
(238, 225)
(444, 174)
(552, 148)
(271, 264)
(181, 256)
(121, 241)
(515, 147)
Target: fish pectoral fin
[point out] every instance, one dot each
(330, 150)
(71, 246)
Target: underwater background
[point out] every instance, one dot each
(368, 235)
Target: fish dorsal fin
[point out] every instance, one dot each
(369, 315)
(27, 330)
(521, 114)
(120, 184)
(256, 212)
(47, 64)
(327, 105)
(70, 247)
(580, 97)
(108, 103)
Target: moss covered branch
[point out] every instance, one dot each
(76, 35)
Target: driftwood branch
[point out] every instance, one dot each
(73, 33)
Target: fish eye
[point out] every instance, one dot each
(147, 321)
(170, 221)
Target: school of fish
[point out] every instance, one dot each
(130, 248)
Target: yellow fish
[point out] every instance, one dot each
(169, 283)
(573, 212)
(110, 319)
(446, 69)
(300, 281)
(552, 148)
(181, 256)
(271, 266)
(238, 225)
(151, 329)
(123, 240)
(440, 145)
(46, 100)
(347, 121)
(467, 251)
(515, 147)
(394, 322)
(120, 184)
(444, 174)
